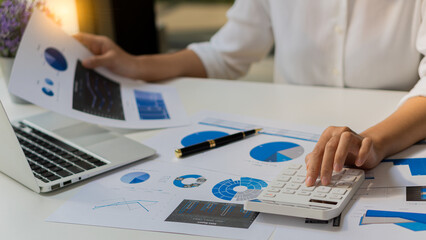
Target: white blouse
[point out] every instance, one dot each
(344, 43)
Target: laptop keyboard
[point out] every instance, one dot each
(51, 159)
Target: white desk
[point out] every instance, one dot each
(22, 212)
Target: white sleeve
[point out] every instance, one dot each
(246, 38)
(420, 88)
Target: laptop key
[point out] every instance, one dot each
(84, 165)
(63, 173)
(41, 178)
(75, 169)
(53, 178)
(99, 163)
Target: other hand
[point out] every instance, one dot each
(108, 54)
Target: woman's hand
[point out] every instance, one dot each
(184, 63)
(108, 54)
(336, 147)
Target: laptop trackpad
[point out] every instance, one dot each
(85, 134)
(121, 149)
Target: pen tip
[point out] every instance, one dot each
(258, 130)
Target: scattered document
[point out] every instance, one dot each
(48, 72)
(374, 213)
(259, 156)
(407, 168)
(192, 195)
(166, 197)
(181, 194)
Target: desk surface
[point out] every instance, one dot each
(23, 211)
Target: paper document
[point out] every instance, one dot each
(202, 194)
(48, 72)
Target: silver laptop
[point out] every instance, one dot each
(49, 151)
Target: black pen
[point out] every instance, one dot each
(213, 143)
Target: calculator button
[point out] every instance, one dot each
(343, 185)
(287, 191)
(295, 166)
(272, 189)
(354, 172)
(284, 178)
(298, 180)
(277, 184)
(336, 177)
(319, 195)
(338, 191)
(301, 173)
(269, 195)
(293, 186)
(309, 189)
(323, 189)
(348, 178)
(288, 172)
(303, 193)
(335, 196)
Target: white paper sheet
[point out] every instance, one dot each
(387, 199)
(256, 156)
(113, 202)
(231, 176)
(407, 168)
(47, 72)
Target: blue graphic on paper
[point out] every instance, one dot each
(48, 81)
(151, 105)
(47, 91)
(417, 165)
(423, 194)
(418, 224)
(55, 59)
(197, 181)
(276, 151)
(242, 189)
(199, 137)
(135, 177)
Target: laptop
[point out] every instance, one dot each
(49, 151)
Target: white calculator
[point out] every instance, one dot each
(288, 195)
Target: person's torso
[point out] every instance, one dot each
(347, 43)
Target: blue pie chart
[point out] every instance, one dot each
(276, 151)
(135, 177)
(199, 137)
(55, 59)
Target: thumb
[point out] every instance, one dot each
(97, 61)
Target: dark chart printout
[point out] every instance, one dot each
(212, 213)
(416, 193)
(96, 95)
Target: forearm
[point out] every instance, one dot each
(184, 63)
(404, 127)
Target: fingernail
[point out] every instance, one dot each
(325, 181)
(308, 181)
(337, 167)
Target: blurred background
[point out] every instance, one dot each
(152, 26)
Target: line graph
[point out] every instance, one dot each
(129, 205)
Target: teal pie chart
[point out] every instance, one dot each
(276, 151)
(135, 177)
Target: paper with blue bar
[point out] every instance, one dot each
(407, 168)
(48, 72)
(408, 220)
